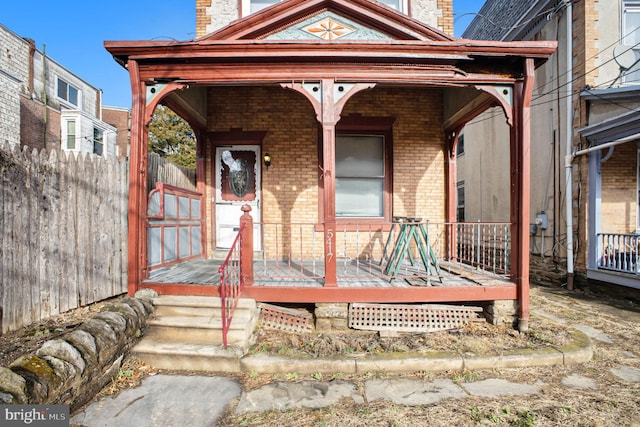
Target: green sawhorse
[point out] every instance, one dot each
(410, 230)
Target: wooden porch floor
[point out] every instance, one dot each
(269, 273)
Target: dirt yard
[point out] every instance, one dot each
(612, 403)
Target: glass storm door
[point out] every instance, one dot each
(237, 178)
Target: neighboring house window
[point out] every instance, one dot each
(360, 176)
(71, 135)
(460, 202)
(631, 37)
(67, 92)
(460, 146)
(253, 6)
(98, 142)
(400, 5)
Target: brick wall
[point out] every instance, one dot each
(203, 18)
(32, 125)
(619, 190)
(290, 185)
(121, 120)
(445, 20)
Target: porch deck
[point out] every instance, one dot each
(351, 274)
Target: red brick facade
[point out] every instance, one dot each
(290, 191)
(121, 120)
(32, 122)
(619, 196)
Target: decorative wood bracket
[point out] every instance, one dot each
(155, 93)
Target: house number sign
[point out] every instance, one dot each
(329, 245)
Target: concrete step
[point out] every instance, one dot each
(168, 305)
(185, 333)
(188, 357)
(197, 329)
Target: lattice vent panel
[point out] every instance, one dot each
(285, 319)
(411, 318)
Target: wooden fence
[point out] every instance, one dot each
(160, 170)
(63, 233)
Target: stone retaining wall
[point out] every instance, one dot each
(72, 369)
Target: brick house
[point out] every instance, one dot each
(45, 105)
(327, 122)
(584, 131)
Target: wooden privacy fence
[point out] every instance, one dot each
(160, 170)
(63, 232)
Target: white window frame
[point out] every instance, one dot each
(246, 6)
(75, 134)
(102, 141)
(69, 85)
(631, 76)
(460, 205)
(382, 177)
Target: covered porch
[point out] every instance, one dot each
(405, 89)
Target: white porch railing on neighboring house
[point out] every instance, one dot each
(618, 252)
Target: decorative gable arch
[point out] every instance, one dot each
(284, 17)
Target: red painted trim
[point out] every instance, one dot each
(525, 191)
(390, 295)
(137, 182)
(324, 294)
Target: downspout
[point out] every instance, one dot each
(569, 144)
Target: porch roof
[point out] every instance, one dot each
(391, 43)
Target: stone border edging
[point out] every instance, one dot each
(578, 351)
(73, 368)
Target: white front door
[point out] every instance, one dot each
(237, 178)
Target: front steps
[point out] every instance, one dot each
(185, 333)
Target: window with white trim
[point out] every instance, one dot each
(460, 214)
(98, 141)
(67, 92)
(360, 176)
(71, 134)
(631, 38)
(253, 6)
(460, 145)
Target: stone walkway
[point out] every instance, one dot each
(169, 400)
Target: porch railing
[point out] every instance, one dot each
(483, 245)
(294, 250)
(619, 252)
(231, 284)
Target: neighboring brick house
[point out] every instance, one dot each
(328, 119)
(119, 118)
(46, 105)
(585, 126)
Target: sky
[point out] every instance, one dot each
(72, 32)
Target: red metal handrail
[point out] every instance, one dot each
(231, 284)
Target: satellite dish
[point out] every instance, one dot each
(625, 56)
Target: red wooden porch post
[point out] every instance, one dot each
(246, 245)
(521, 191)
(137, 183)
(329, 120)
